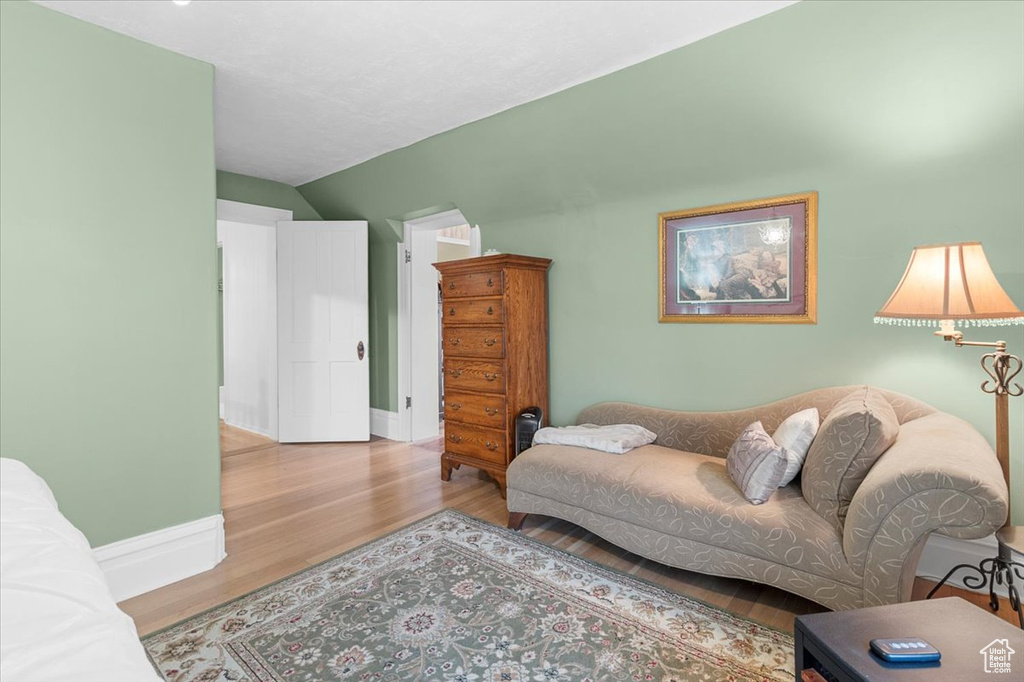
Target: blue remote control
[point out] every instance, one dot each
(905, 650)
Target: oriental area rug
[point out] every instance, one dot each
(455, 599)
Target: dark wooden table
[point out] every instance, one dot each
(837, 643)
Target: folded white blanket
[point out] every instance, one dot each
(614, 438)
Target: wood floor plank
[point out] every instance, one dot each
(287, 507)
(237, 441)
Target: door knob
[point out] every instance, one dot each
(360, 350)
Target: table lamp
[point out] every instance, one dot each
(951, 285)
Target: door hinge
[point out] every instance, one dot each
(408, 402)
(408, 256)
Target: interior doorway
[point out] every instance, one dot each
(428, 240)
(294, 327)
(247, 236)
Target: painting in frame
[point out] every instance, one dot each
(747, 261)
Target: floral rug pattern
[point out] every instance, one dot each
(455, 599)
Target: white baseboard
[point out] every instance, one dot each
(266, 433)
(942, 553)
(384, 424)
(165, 556)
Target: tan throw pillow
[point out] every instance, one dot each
(756, 464)
(853, 436)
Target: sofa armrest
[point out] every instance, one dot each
(940, 475)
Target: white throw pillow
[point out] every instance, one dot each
(795, 435)
(756, 464)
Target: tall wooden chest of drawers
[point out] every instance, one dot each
(494, 338)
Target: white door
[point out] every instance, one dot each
(424, 351)
(323, 358)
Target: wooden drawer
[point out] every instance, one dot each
(483, 410)
(474, 342)
(473, 311)
(487, 283)
(473, 375)
(473, 441)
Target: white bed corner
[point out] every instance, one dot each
(58, 618)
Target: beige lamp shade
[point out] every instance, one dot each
(949, 282)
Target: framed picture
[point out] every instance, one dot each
(749, 261)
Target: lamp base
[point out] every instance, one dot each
(998, 570)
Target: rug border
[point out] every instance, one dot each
(303, 570)
(543, 545)
(142, 640)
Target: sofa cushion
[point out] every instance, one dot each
(756, 464)
(685, 495)
(853, 436)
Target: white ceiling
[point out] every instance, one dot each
(305, 88)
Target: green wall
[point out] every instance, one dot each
(108, 275)
(907, 118)
(250, 190)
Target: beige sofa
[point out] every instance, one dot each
(673, 502)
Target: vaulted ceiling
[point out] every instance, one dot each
(307, 88)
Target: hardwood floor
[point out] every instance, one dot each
(238, 442)
(287, 507)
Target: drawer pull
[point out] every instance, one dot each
(451, 285)
(455, 406)
(451, 311)
(456, 373)
(490, 282)
(490, 342)
(455, 439)
(490, 310)
(490, 376)
(491, 411)
(491, 446)
(455, 341)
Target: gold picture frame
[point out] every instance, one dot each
(752, 262)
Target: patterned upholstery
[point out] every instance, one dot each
(850, 440)
(940, 475)
(670, 504)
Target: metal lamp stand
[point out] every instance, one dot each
(1000, 569)
(997, 570)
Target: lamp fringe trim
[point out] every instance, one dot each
(911, 322)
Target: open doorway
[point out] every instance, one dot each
(295, 324)
(439, 237)
(246, 235)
